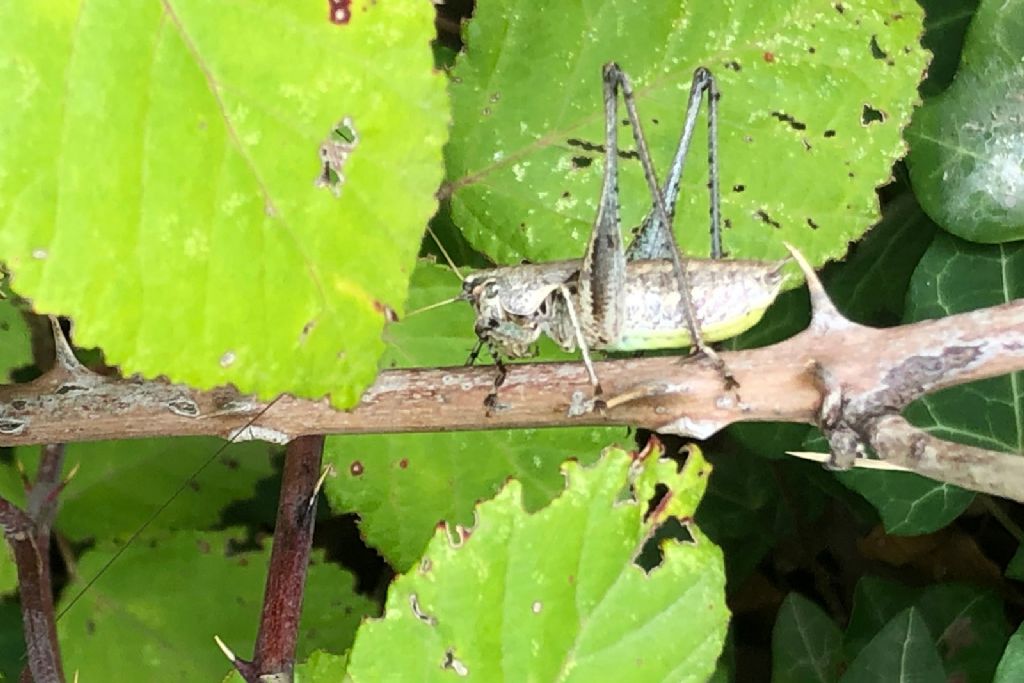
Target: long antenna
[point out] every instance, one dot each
(145, 525)
(444, 252)
(424, 309)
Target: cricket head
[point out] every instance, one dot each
(509, 309)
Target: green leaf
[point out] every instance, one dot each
(966, 622)
(956, 276)
(876, 602)
(798, 146)
(806, 644)
(8, 571)
(12, 641)
(556, 595)
(966, 159)
(1015, 567)
(119, 484)
(160, 189)
(1011, 666)
(908, 504)
(15, 339)
(153, 615)
(902, 651)
(945, 24)
(870, 285)
(403, 485)
(753, 502)
(969, 627)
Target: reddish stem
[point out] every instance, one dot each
(28, 533)
(286, 577)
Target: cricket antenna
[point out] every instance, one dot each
(444, 252)
(424, 309)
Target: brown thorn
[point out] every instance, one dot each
(824, 314)
(63, 353)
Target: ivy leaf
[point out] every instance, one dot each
(908, 504)
(403, 485)
(876, 601)
(806, 644)
(870, 285)
(945, 24)
(969, 627)
(556, 595)
(813, 98)
(160, 186)
(952, 277)
(902, 651)
(1011, 666)
(966, 163)
(168, 595)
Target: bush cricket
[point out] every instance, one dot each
(619, 299)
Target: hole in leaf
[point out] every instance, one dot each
(765, 218)
(652, 554)
(334, 152)
(594, 147)
(876, 51)
(871, 115)
(786, 118)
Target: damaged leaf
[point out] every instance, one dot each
(557, 594)
(814, 96)
(160, 182)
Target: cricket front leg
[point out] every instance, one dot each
(501, 339)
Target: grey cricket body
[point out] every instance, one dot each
(515, 305)
(646, 296)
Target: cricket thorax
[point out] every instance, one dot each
(514, 306)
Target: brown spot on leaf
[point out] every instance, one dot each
(339, 11)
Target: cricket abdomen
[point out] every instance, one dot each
(729, 297)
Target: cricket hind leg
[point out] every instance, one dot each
(602, 276)
(702, 81)
(655, 240)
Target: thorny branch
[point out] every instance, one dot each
(28, 533)
(274, 655)
(851, 380)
